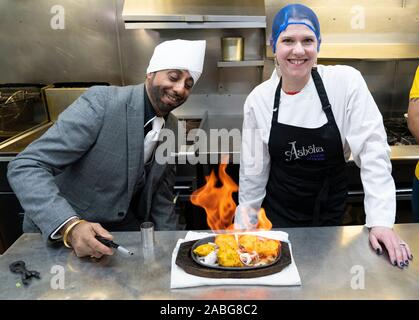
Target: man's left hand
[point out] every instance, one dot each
(398, 250)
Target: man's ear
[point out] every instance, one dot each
(150, 76)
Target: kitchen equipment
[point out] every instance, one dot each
(21, 108)
(398, 132)
(26, 275)
(15, 106)
(232, 48)
(191, 217)
(61, 94)
(147, 235)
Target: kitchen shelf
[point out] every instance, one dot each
(204, 14)
(196, 25)
(244, 63)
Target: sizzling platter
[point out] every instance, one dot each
(236, 252)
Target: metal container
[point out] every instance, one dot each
(147, 234)
(21, 108)
(58, 99)
(60, 95)
(232, 48)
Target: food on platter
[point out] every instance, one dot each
(204, 249)
(228, 257)
(263, 247)
(237, 251)
(229, 240)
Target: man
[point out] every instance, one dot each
(413, 122)
(96, 163)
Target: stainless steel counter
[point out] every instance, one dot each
(410, 152)
(329, 259)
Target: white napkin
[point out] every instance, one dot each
(287, 277)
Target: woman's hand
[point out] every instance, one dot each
(398, 250)
(82, 239)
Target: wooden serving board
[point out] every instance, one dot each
(185, 261)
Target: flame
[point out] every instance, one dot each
(220, 207)
(249, 219)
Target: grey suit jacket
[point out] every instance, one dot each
(88, 163)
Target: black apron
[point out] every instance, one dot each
(307, 183)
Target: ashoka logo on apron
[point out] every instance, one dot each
(311, 152)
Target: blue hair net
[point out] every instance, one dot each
(298, 14)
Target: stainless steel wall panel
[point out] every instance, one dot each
(85, 50)
(376, 75)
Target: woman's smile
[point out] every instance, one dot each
(297, 62)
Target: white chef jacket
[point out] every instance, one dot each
(361, 128)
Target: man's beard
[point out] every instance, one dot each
(158, 92)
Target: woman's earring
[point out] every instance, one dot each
(276, 62)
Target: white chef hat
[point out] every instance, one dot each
(179, 54)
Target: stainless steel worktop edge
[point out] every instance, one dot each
(329, 261)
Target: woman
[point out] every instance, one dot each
(308, 123)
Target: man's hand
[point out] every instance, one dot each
(398, 250)
(82, 239)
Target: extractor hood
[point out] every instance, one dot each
(190, 14)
